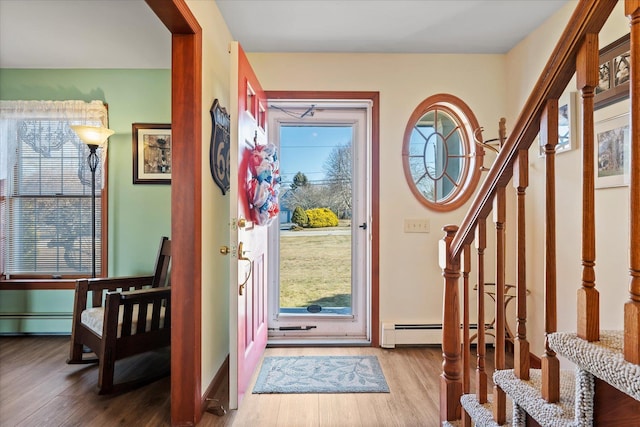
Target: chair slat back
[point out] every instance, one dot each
(163, 261)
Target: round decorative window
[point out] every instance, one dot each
(440, 159)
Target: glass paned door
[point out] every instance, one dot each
(320, 286)
(315, 239)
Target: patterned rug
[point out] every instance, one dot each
(321, 374)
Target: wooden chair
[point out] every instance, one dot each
(135, 318)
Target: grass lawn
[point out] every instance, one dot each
(315, 270)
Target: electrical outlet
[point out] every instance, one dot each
(416, 225)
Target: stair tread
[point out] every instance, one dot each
(482, 414)
(527, 395)
(604, 358)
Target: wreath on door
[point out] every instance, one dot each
(264, 186)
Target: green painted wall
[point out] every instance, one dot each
(138, 214)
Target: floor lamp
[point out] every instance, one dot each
(93, 136)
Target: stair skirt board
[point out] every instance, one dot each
(414, 334)
(574, 409)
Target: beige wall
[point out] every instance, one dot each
(411, 284)
(523, 69)
(215, 206)
(410, 280)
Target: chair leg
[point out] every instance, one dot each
(106, 371)
(75, 352)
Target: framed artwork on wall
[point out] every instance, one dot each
(611, 145)
(614, 73)
(151, 153)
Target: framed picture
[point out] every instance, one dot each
(151, 153)
(612, 152)
(567, 129)
(614, 73)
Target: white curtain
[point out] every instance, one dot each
(92, 113)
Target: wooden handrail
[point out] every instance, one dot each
(588, 17)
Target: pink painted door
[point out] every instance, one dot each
(248, 272)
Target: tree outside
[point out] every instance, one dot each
(315, 266)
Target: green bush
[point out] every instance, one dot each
(322, 217)
(299, 217)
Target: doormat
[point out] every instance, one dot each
(320, 374)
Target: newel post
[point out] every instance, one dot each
(451, 378)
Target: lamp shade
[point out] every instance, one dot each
(92, 135)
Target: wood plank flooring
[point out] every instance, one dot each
(411, 373)
(37, 388)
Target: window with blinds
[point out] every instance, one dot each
(46, 202)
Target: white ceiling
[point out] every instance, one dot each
(126, 33)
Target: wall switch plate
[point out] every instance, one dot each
(416, 225)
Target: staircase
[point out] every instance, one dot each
(604, 387)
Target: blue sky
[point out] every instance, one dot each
(306, 148)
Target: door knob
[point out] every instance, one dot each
(225, 250)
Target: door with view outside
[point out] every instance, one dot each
(319, 284)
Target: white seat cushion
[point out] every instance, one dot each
(94, 317)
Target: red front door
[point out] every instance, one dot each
(248, 310)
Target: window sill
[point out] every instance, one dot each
(36, 284)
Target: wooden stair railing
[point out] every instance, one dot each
(575, 53)
(588, 17)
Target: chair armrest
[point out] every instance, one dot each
(113, 283)
(98, 285)
(139, 296)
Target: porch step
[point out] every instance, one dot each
(573, 409)
(603, 358)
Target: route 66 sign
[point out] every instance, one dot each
(219, 149)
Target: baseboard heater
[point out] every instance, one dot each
(394, 334)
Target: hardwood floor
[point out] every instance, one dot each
(411, 373)
(37, 388)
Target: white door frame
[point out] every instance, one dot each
(355, 328)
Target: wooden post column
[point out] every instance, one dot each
(499, 217)
(632, 307)
(521, 345)
(587, 66)
(466, 342)
(550, 362)
(451, 378)
(481, 374)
